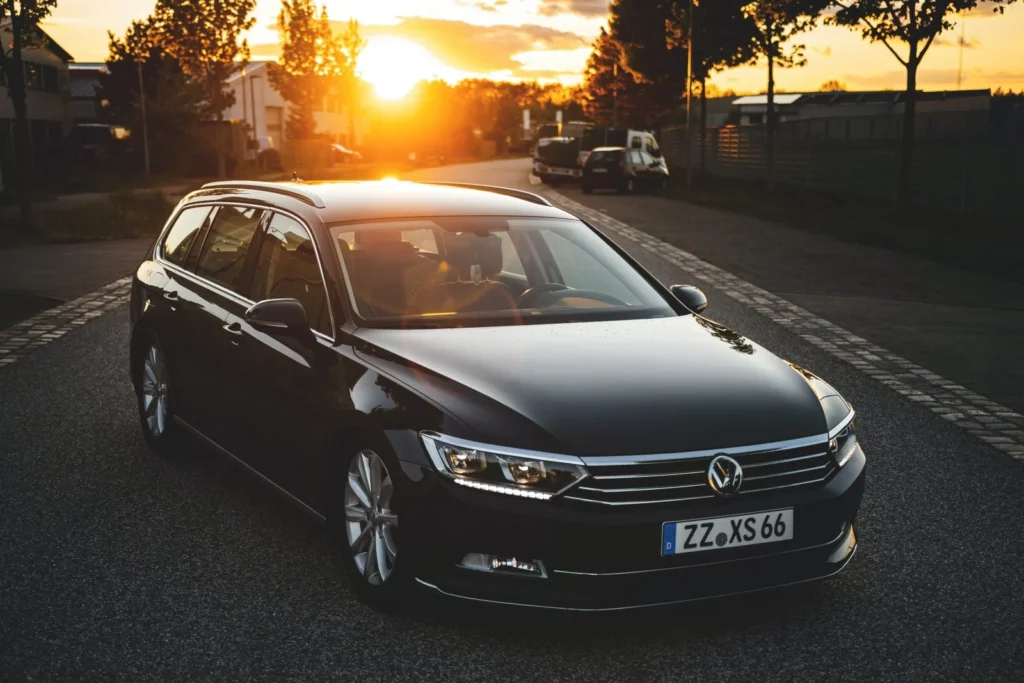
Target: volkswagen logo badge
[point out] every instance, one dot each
(724, 475)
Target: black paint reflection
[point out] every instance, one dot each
(736, 341)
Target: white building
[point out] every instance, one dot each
(47, 97)
(264, 109)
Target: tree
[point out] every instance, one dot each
(307, 57)
(204, 36)
(775, 23)
(346, 50)
(832, 85)
(914, 23)
(20, 19)
(173, 101)
(723, 37)
(654, 36)
(611, 94)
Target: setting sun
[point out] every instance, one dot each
(394, 65)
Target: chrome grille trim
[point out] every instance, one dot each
(652, 480)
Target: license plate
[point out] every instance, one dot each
(562, 171)
(600, 170)
(726, 532)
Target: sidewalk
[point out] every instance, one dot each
(37, 277)
(965, 326)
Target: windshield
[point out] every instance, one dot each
(489, 270)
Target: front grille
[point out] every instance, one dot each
(683, 478)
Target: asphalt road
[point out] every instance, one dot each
(115, 565)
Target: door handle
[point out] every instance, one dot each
(171, 296)
(234, 328)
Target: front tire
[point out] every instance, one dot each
(363, 519)
(154, 399)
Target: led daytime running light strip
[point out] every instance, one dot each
(502, 489)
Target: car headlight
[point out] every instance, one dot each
(839, 416)
(842, 437)
(514, 472)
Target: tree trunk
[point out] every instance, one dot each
(703, 124)
(769, 130)
(906, 180)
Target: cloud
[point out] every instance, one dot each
(935, 79)
(587, 8)
(969, 42)
(471, 48)
(484, 6)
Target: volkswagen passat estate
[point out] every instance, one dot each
(484, 397)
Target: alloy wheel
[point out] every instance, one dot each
(370, 522)
(154, 391)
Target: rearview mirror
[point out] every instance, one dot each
(280, 317)
(691, 297)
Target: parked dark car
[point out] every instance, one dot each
(623, 170)
(485, 397)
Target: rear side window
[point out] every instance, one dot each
(183, 233)
(598, 157)
(287, 268)
(227, 243)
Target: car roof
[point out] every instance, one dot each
(338, 201)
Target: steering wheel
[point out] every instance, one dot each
(528, 299)
(536, 295)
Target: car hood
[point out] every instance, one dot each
(604, 388)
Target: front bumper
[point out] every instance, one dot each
(611, 560)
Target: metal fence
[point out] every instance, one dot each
(979, 175)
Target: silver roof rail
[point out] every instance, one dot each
(295, 191)
(507, 191)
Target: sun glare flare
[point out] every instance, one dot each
(394, 65)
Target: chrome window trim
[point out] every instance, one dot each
(245, 301)
(843, 424)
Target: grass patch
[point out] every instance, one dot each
(119, 216)
(993, 245)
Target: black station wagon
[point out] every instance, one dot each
(485, 397)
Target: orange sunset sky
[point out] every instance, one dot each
(550, 39)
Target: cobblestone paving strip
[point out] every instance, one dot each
(23, 338)
(987, 420)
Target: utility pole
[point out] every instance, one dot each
(145, 129)
(960, 64)
(689, 82)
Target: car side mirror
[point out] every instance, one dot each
(280, 317)
(691, 297)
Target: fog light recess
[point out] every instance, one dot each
(504, 565)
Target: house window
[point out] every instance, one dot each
(33, 76)
(50, 79)
(274, 118)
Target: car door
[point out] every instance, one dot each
(652, 171)
(637, 169)
(177, 305)
(221, 273)
(284, 380)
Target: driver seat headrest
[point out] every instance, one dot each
(467, 249)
